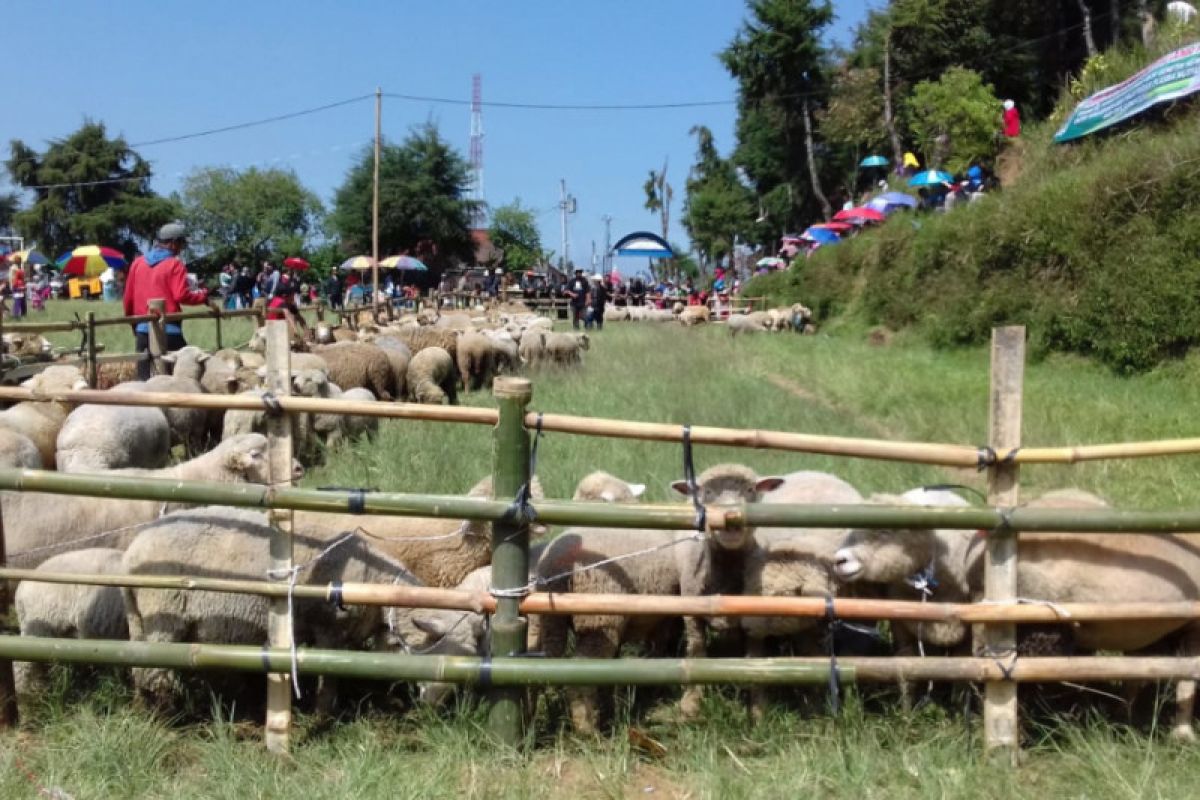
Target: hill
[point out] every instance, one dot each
(1094, 247)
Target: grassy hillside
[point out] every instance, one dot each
(1095, 248)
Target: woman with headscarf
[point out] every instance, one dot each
(1012, 120)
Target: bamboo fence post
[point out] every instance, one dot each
(93, 368)
(1000, 713)
(8, 688)
(510, 549)
(217, 316)
(158, 337)
(279, 448)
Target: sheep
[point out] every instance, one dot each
(39, 525)
(791, 562)
(566, 348)
(432, 378)
(685, 563)
(334, 428)
(235, 543)
(1119, 568)
(97, 438)
(747, 323)
(110, 374)
(506, 356)
(476, 362)
(353, 364)
(305, 383)
(532, 349)
(29, 345)
(69, 611)
(424, 337)
(189, 427)
(693, 315)
(18, 451)
(603, 487)
(42, 421)
(399, 355)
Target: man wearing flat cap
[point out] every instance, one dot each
(160, 275)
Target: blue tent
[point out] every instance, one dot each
(645, 244)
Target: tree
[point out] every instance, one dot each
(717, 207)
(423, 206)
(853, 121)
(8, 210)
(959, 106)
(250, 215)
(514, 230)
(87, 189)
(780, 65)
(659, 195)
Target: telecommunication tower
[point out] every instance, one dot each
(479, 219)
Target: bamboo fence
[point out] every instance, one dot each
(510, 599)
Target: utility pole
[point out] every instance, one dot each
(607, 243)
(593, 255)
(566, 205)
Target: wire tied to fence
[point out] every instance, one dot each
(522, 511)
(689, 475)
(987, 457)
(292, 574)
(272, 405)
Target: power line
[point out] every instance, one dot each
(255, 123)
(562, 106)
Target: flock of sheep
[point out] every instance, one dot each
(795, 317)
(111, 536)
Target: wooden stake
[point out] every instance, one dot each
(158, 337)
(279, 448)
(1000, 718)
(93, 368)
(375, 208)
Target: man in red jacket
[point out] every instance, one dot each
(160, 275)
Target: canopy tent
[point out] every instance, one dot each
(645, 244)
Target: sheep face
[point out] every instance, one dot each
(323, 333)
(442, 632)
(309, 383)
(726, 485)
(883, 556)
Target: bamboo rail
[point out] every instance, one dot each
(507, 671)
(178, 316)
(543, 603)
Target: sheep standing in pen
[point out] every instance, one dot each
(235, 543)
(476, 361)
(334, 429)
(190, 427)
(356, 365)
(657, 562)
(67, 610)
(1119, 568)
(757, 322)
(694, 315)
(18, 451)
(399, 356)
(566, 349)
(432, 377)
(532, 349)
(97, 438)
(38, 526)
(41, 421)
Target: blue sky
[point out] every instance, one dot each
(159, 69)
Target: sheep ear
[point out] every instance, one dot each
(682, 488)
(431, 626)
(637, 489)
(202, 358)
(765, 485)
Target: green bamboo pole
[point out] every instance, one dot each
(8, 689)
(602, 515)
(74, 325)
(510, 549)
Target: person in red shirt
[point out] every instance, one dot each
(1012, 120)
(16, 282)
(160, 275)
(283, 306)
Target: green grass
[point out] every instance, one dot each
(100, 746)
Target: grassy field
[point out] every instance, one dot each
(99, 745)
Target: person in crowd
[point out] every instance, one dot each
(333, 289)
(271, 280)
(160, 275)
(577, 291)
(598, 297)
(243, 288)
(637, 292)
(1012, 120)
(16, 284)
(283, 306)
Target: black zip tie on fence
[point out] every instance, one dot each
(689, 475)
(356, 503)
(336, 598)
(834, 677)
(987, 457)
(521, 511)
(272, 405)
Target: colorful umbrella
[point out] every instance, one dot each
(836, 227)
(90, 260)
(358, 263)
(874, 161)
(771, 262)
(861, 214)
(295, 263)
(30, 257)
(932, 177)
(887, 203)
(403, 262)
(820, 236)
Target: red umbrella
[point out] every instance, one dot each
(861, 213)
(837, 227)
(295, 263)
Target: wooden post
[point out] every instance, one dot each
(217, 317)
(279, 449)
(1000, 719)
(320, 311)
(375, 209)
(510, 550)
(158, 337)
(93, 368)
(8, 688)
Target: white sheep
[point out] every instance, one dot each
(354, 364)
(694, 315)
(41, 421)
(98, 438)
(235, 543)
(757, 322)
(476, 361)
(18, 451)
(190, 427)
(603, 487)
(432, 377)
(566, 349)
(532, 349)
(68, 610)
(38, 526)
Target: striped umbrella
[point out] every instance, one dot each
(403, 262)
(30, 257)
(357, 263)
(90, 261)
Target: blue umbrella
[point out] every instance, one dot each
(890, 201)
(874, 161)
(820, 236)
(931, 177)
